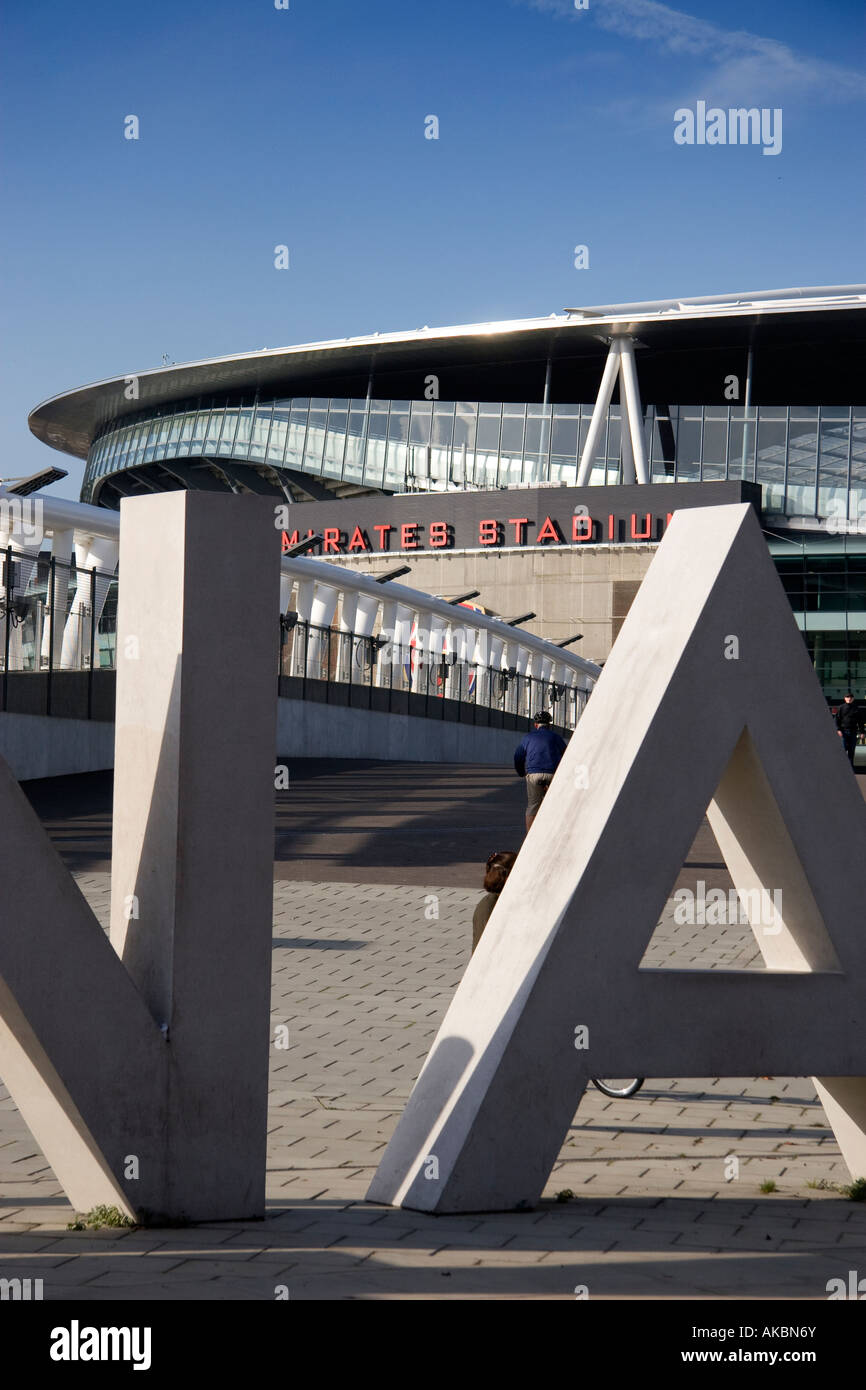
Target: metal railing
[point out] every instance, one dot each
(399, 645)
(55, 617)
(379, 672)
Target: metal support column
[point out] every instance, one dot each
(634, 412)
(599, 413)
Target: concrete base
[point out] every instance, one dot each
(34, 745)
(38, 746)
(308, 730)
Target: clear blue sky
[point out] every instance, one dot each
(305, 127)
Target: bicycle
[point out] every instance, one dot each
(618, 1089)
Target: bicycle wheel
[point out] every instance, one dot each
(617, 1088)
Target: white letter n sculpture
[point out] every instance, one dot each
(708, 699)
(154, 1045)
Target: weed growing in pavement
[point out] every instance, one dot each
(98, 1217)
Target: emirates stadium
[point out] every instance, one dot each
(535, 462)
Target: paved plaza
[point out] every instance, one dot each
(667, 1199)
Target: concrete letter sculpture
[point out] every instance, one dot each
(153, 1047)
(708, 698)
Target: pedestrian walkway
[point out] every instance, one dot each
(666, 1186)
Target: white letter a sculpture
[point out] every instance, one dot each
(708, 699)
(140, 1064)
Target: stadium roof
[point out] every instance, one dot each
(70, 421)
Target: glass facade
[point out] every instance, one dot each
(825, 580)
(809, 460)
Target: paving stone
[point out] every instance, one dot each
(363, 979)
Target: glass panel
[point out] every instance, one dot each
(418, 467)
(688, 448)
(511, 439)
(297, 432)
(537, 435)
(462, 454)
(398, 433)
(535, 468)
(261, 425)
(833, 448)
(420, 423)
(397, 465)
(612, 446)
(581, 442)
(199, 425)
(212, 433)
(741, 450)
(277, 440)
(230, 424)
(242, 438)
(563, 448)
(185, 446)
(489, 424)
(857, 494)
(510, 468)
(772, 438)
(374, 464)
(443, 426)
(315, 442)
(714, 462)
(336, 442)
(562, 471)
(353, 467)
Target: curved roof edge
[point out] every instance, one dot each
(69, 420)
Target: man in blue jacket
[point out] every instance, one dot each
(536, 759)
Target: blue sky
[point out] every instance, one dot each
(305, 127)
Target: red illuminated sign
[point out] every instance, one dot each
(491, 533)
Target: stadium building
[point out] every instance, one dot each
(534, 462)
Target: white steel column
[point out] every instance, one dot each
(402, 638)
(286, 586)
(366, 612)
(365, 616)
(434, 643)
(62, 543)
(100, 554)
(629, 389)
(620, 360)
(625, 441)
(599, 413)
(389, 636)
(347, 626)
(324, 606)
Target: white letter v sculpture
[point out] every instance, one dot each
(708, 699)
(154, 1045)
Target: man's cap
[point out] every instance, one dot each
(542, 717)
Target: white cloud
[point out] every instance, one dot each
(740, 65)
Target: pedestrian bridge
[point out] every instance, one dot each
(367, 668)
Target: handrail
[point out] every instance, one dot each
(99, 523)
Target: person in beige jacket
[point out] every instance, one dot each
(497, 869)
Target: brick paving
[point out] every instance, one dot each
(363, 972)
